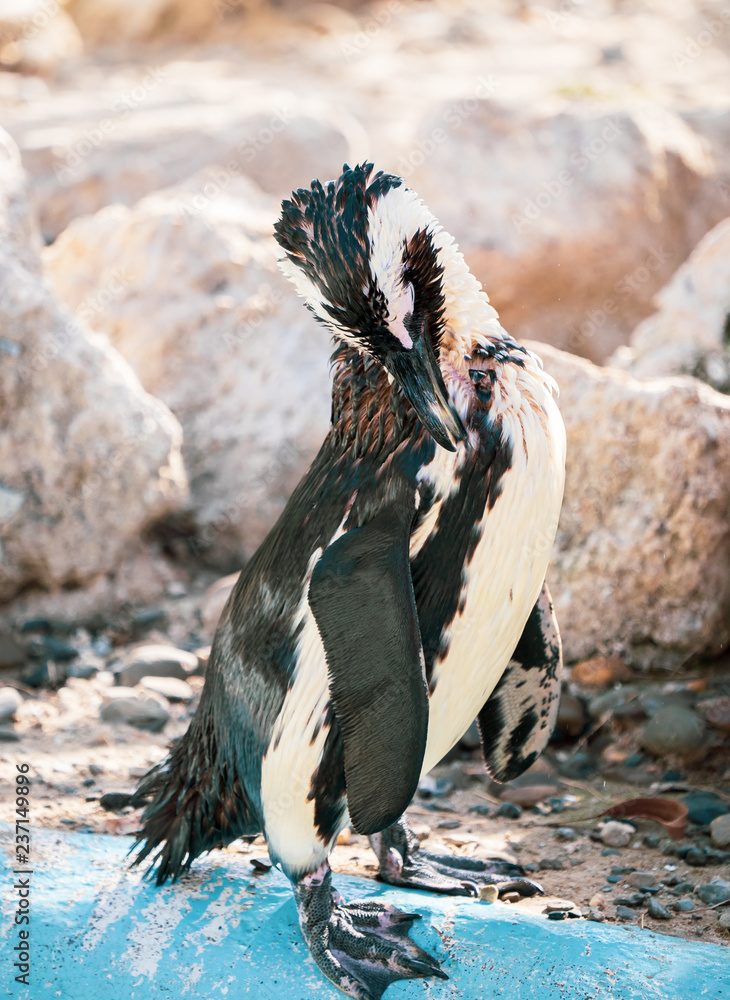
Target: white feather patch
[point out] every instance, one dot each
(294, 752)
(507, 571)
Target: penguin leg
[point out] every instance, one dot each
(403, 862)
(361, 947)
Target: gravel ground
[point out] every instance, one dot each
(75, 758)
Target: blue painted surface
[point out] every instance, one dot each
(100, 931)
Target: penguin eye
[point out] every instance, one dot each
(476, 375)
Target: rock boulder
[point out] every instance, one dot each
(190, 293)
(88, 458)
(573, 215)
(690, 332)
(640, 565)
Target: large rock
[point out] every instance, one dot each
(641, 564)
(88, 459)
(189, 291)
(133, 134)
(690, 333)
(572, 218)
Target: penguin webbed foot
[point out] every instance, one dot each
(403, 862)
(361, 947)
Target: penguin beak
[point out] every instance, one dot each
(418, 374)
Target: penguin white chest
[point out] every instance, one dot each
(501, 582)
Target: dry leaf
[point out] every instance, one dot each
(670, 813)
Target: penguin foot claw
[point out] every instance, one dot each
(361, 947)
(403, 862)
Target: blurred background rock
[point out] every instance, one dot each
(162, 388)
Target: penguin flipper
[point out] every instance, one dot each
(361, 596)
(519, 717)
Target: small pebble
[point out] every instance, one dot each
(652, 840)
(510, 810)
(683, 888)
(641, 880)
(635, 900)
(616, 834)
(551, 864)
(597, 916)
(171, 688)
(672, 776)
(261, 864)
(142, 714)
(606, 888)
(624, 913)
(559, 905)
(716, 891)
(613, 879)
(156, 660)
(704, 807)
(566, 833)
(430, 787)
(682, 905)
(634, 760)
(608, 851)
(532, 866)
(622, 869)
(579, 765)
(88, 782)
(558, 806)
(557, 915)
(724, 920)
(674, 729)
(598, 900)
(488, 894)
(481, 809)
(101, 646)
(448, 824)
(115, 801)
(657, 911)
(720, 830)
(510, 897)
(695, 856)
(10, 701)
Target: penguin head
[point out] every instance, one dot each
(363, 252)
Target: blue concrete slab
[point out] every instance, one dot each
(101, 931)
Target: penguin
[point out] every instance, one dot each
(400, 595)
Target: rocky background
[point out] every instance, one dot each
(162, 389)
